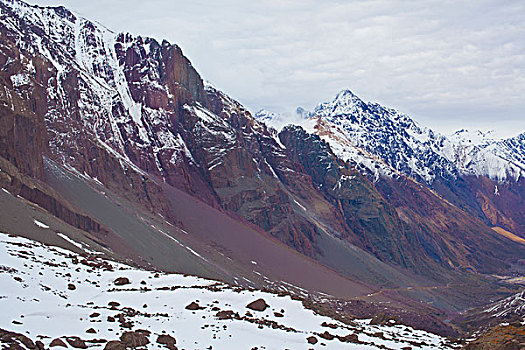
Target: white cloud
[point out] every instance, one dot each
(444, 62)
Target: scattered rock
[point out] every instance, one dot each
(326, 335)
(76, 342)
(91, 330)
(115, 345)
(135, 338)
(278, 314)
(111, 319)
(329, 325)
(311, 340)
(226, 314)
(121, 281)
(258, 305)
(12, 340)
(168, 341)
(57, 342)
(194, 306)
(113, 304)
(71, 286)
(350, 338)
(382, 319)
(94, 314)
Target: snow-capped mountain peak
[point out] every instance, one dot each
(384, 142)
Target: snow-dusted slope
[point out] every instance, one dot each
(50, 293)
(381, 141)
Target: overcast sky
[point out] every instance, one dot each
(448, 64)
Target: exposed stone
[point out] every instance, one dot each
(135, 338)
(167, 340)
(311, 340)
(76, 342)
(57, 342)
(115, 345)
(121, 281)
(194, 306)
(258, 305)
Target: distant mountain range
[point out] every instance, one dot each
(117, 139)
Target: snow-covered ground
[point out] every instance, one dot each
(48, 292)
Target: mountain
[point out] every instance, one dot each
(116, 141)
(474, 171)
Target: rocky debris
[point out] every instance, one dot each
(76, 342)
(167, 340)
(14, 339)
(115, 345)
(329, 325)
(382, 319)
(194, 306)
(350, 338)
(121, 281)
(311, 340)
(57, 342)
(510, 337)
(226, 315)
(258, 305)
(135, 338)
(113, 304)
(326, 335)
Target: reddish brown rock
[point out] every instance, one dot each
(115, 345)
(135, 338)
(76, 342)
(167, 340)
(194, 306)
(121, 281)
(57, 342)
(258, 305)
(311, 340)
